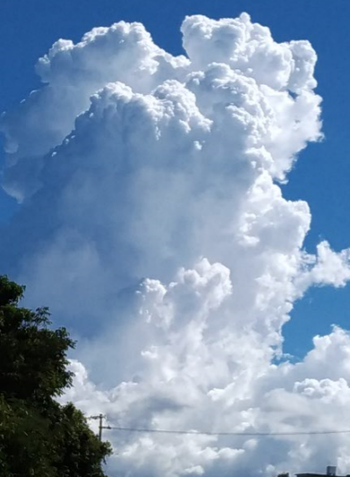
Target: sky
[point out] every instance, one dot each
(320, 177)
(198, 201)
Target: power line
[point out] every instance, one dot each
(146, 430)
(233, 434)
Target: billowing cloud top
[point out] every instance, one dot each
(153, 224)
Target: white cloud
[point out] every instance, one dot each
(153, 225)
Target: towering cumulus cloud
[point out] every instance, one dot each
(153, 225)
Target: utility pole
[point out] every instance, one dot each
(100, 418)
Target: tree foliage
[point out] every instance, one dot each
(38, 436)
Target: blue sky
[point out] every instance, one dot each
(152, 228)
(28, 29)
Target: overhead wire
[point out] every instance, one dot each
(233, 434)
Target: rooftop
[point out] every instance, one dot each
(318, 475)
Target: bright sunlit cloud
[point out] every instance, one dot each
(153, 224)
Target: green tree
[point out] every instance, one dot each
(38, 436)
